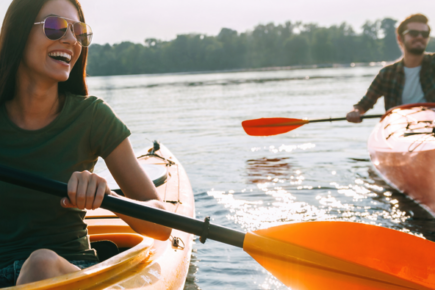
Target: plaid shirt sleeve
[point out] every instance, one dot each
(374, 92)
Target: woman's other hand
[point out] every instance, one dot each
(86, 190)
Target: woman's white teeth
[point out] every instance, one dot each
(61, 55)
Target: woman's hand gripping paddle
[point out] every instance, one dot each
(310, 255)
(276, 126)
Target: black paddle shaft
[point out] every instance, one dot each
(343, 119)
(124, 206)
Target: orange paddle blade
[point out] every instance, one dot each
(271, 126)
(343, 255)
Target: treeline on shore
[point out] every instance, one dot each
(267, 45)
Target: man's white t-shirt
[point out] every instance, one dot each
(412, 91)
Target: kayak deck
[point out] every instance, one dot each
(143, 263)
(402, 149)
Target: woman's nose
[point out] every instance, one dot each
(69, 36)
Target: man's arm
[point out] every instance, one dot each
(374, 92)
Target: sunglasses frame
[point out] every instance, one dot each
(420, 33)
(68, 26)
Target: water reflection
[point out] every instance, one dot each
(282, 193)
(285, 199)
(191, 274)
(418, 219)
(265, 169)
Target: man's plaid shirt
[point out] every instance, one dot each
(390, 81)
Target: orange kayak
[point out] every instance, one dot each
(141, 262)
(402, 148)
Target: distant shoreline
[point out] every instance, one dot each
(273, 68)
(269, 47)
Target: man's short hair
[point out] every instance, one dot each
(420, 18)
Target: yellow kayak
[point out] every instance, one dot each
(142, 262)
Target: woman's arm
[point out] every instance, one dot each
(136, 184)
(86, 190)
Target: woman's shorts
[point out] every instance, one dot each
(9, 274)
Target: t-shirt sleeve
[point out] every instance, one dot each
(107, 130)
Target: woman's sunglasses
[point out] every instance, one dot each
(55, 27)
(415, 33)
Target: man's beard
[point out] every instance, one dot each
(415, 50)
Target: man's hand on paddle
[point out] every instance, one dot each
(85, 190)
(354, 116)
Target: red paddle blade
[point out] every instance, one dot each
(271, 126)
(343, 255)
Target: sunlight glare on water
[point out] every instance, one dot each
(318, 172)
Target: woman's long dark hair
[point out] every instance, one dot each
(17, 24)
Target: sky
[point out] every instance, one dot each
(114, 21)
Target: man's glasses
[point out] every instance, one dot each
(55, 27)
(416, 33)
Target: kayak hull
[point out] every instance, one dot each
(402, 149)
(143, 263)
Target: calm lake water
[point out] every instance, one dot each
(320, 171)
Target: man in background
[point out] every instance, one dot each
(408, 81)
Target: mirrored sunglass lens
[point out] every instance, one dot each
(83, 33)
(55, 27)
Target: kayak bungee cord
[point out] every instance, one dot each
(409, 130)
(152, 153)
(422, 140)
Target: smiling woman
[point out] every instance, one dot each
(50, 126)
(16, 33)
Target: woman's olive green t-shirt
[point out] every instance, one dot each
(85, 129)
